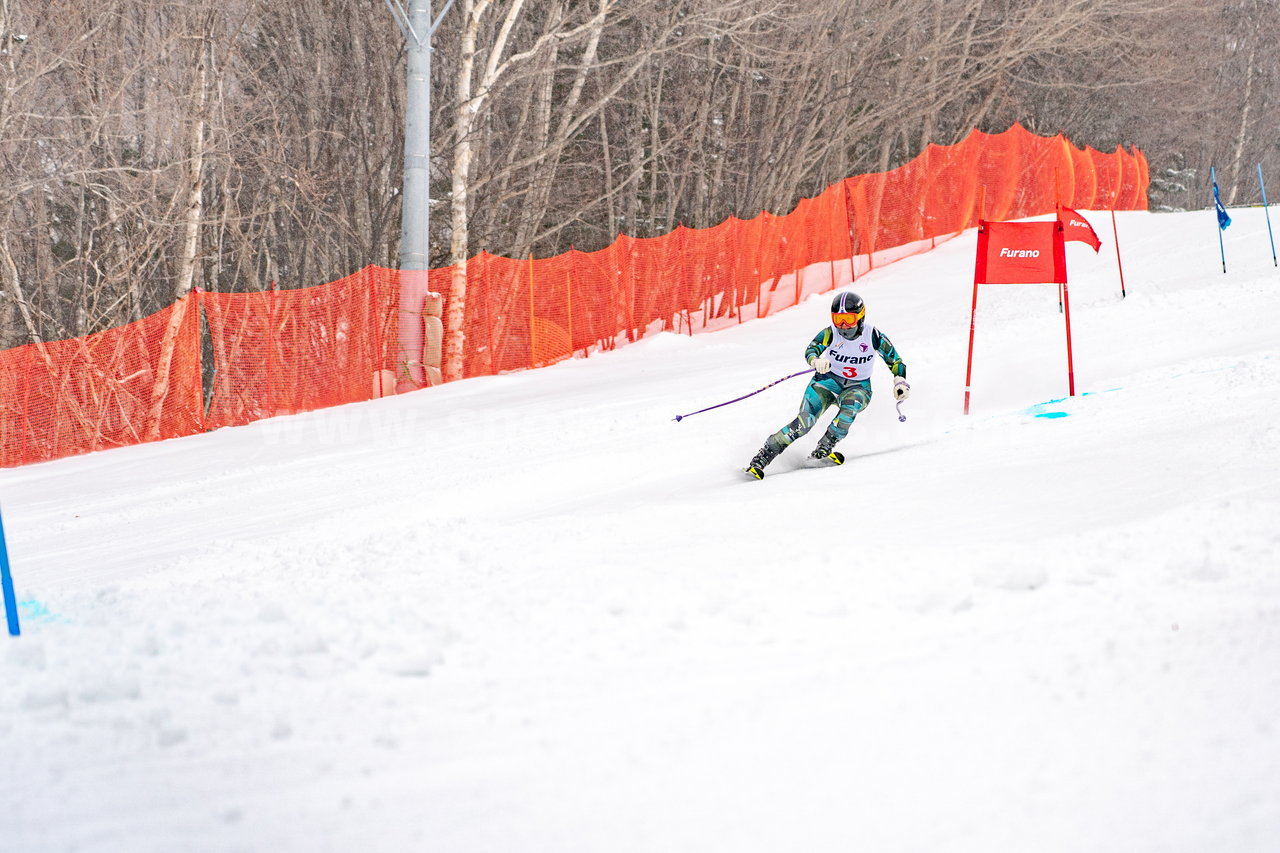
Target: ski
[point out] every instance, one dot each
(832, 459)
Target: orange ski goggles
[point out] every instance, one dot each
(848, 320)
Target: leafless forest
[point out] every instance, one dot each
(149, 146)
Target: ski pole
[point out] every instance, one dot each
(745, 396)
(901, 417)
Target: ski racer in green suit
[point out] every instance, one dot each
(842, 356)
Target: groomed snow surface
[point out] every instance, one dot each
(532, 612)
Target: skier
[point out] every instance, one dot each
(842, 356)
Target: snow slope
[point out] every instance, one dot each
(533, 613)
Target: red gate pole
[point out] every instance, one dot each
(979, 275)
(968, 371)
(1071, 371)
(1116, 234)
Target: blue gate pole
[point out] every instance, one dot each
(1267, 211)
(1223, 219)
(6, 581)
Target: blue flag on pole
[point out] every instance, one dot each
(1223, 219)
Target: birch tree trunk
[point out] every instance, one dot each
(14, 285)
(1237, 156)
(190, 240)
(470, 104)
(468, 107)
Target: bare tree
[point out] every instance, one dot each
(148, 147)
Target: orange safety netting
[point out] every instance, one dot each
(135, 383)
(525, 313)
(287, 351)
(278, 352)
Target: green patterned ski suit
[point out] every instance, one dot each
(851, 394)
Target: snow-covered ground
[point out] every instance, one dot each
(534, 613)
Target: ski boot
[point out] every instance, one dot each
(762, 458)
(826, 452)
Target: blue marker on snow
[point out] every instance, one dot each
(6, 581)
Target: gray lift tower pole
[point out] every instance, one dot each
(415, 201)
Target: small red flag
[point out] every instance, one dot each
(1076, 227)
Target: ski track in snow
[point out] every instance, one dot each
(533, 613)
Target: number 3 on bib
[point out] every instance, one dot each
(850, 372)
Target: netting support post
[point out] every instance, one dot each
(533, 332)
(568, 296)
(199, 354)
(849, 221)
(27, 431)
(271, 349)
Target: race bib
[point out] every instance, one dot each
(852, 359)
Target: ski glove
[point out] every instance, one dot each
(821, 365)
(901, 390)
